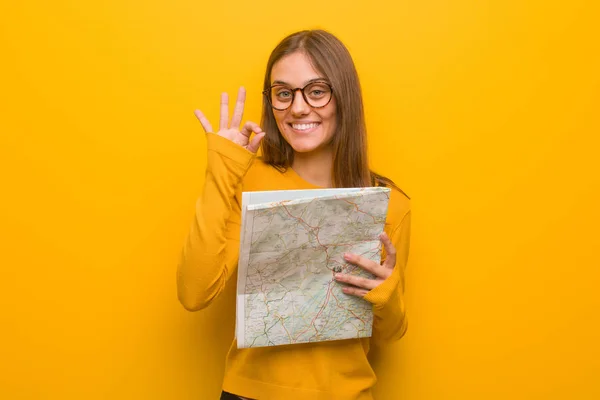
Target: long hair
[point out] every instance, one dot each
(331, 58)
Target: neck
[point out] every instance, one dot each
(315, 167)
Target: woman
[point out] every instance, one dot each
(313, 135)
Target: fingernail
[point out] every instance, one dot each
(347, 256)
(338, 276)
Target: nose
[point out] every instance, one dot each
(299, 105)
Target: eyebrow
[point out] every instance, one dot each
(305, 83)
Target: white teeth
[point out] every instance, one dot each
(304, 127)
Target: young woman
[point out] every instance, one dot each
(313, 135)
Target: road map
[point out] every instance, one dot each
(291, 244)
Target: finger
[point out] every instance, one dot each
(357, 281)
(204, 121)
(255, 142)
(224, 111)
(355, 291)
(250, 127)
(238, 112)
(390, 251)
(368, 265)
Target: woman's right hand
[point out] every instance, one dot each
(232, 130)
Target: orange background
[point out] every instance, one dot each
(486, 113)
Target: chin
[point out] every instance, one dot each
(304, 145)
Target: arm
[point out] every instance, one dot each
(210, 253)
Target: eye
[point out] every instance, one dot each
(284, 94)
(317, 90)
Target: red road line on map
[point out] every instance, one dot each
(312, 323)
(350, 311)
(338, 302)
(317, 228)
(286, 331)
(359, 210)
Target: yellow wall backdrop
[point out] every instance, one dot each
(485, 112)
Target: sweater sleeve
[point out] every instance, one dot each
(210, 253)
(389, 319)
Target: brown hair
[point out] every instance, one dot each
(330, 57)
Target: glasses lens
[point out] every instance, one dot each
(318, 94)
(281, 97)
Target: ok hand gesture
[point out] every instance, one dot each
(232, 130)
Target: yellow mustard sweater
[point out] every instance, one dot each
(331, 370)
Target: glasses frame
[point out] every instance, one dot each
(267, 93)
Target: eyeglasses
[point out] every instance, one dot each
(316, 95)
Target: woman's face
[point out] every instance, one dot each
(305, 128)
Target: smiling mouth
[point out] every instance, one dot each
(305, 127)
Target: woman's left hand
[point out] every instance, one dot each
(358, 286)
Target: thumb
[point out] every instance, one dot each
(255, 142)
